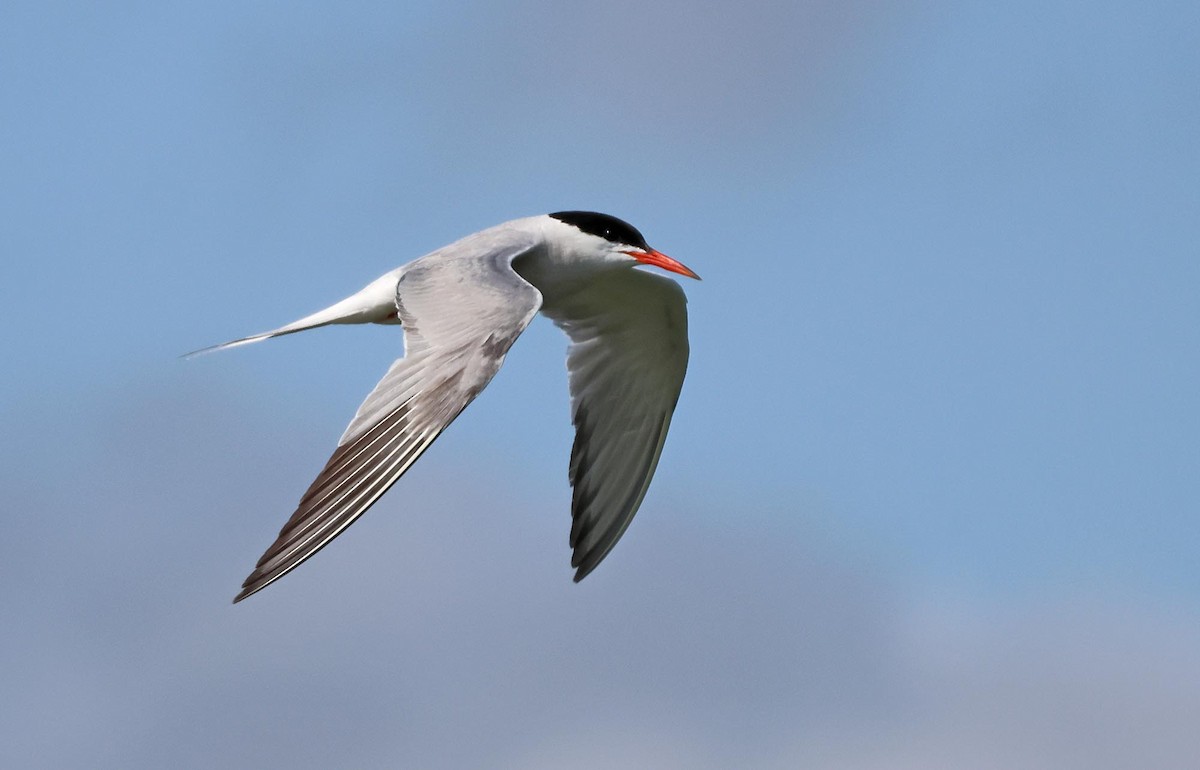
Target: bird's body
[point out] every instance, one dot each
(461, 308)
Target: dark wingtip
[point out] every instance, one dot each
(250, 587)
(583, 571)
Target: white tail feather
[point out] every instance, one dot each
(376, 303)
(246, 341)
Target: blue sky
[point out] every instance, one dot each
(932, 483)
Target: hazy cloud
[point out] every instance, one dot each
(443, 631)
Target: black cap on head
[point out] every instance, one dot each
(604, 226)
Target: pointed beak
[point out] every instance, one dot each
(658, 259)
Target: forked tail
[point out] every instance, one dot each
(376, 303)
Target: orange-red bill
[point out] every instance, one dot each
(658, 259)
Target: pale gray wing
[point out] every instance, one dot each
(462, 307)
(627, 360)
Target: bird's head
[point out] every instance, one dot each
(617, 240)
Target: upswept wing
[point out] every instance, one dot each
(462, 308)
(627, 360)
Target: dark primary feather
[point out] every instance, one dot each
(459, 322)
(627, 360)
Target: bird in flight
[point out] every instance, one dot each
(461, 308)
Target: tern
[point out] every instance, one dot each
(461, 307)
